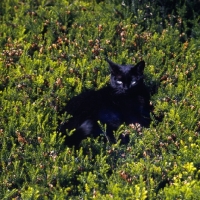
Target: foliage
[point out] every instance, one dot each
(53, 50)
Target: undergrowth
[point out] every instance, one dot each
(53, 50)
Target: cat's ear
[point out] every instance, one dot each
(114, 68)
(140, 67)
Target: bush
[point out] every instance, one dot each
(52, 51)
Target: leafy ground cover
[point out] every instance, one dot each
(53, 50)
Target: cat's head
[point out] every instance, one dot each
(125, 78)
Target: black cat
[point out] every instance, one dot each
(125, 100)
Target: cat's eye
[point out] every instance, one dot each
(119, 82)
(133, 83)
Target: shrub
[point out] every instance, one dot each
(52, 51)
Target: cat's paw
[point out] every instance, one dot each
(86, 127)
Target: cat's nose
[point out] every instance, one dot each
(125, 87)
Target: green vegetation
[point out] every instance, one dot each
(53, 50)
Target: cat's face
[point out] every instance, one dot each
(126, 77)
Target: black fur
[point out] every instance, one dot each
(124, 100)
